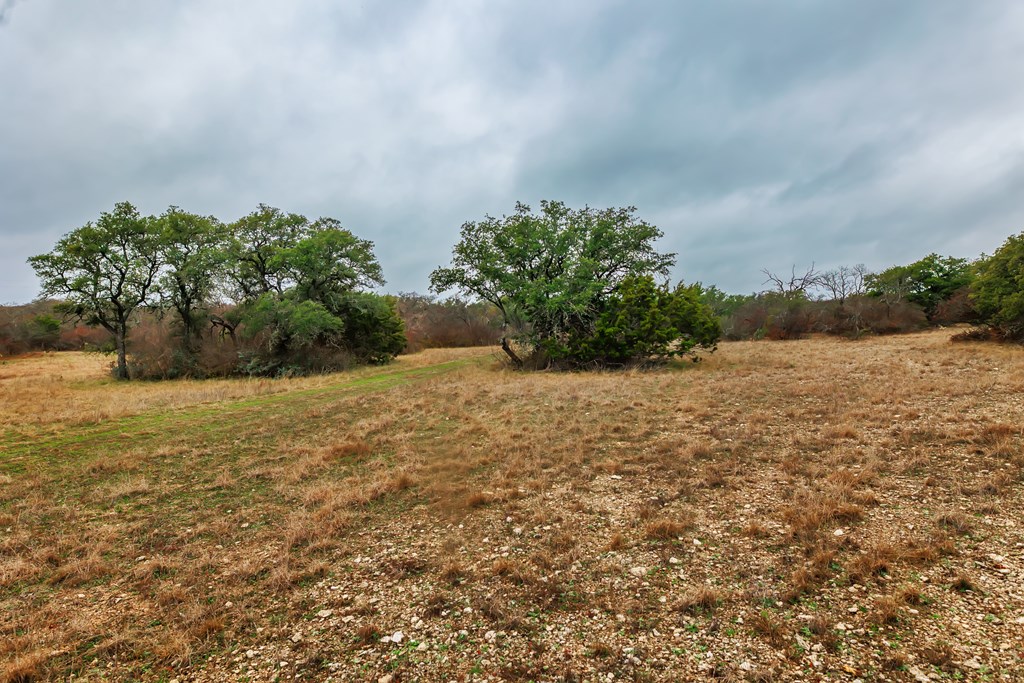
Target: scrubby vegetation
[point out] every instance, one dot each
(270, 294)
(576, 288)
(852, 301)
(998, 291)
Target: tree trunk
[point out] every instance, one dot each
(122, 354)
(517, 362)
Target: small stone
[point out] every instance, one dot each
(324, 613)
(490, 636)
(746, 666)
(386, 678)
(397, 637)
(422, 647)
(638, 571)
(296, 637)
(673, 560)
(838, 532)
(229, 604)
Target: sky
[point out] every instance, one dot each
(754, 134)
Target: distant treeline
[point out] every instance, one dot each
(274, 293)
(853, 301)
(987, 292)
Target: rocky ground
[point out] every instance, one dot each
(820, 510)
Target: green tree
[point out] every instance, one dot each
(192, 254)
(253, 248)
(998, 290)
(927, 282)
(104, 272)
(721, 303)
(298, 286)
(554, 270)
(327, 262)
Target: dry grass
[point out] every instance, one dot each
(183, 524)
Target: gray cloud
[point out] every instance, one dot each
(754, 134)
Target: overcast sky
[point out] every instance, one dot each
(754, 134)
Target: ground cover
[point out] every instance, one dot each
(810, 510)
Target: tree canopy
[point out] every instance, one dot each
(103, 272)
(927, 282)
(290, 288)
(998, 291)
(554, 274)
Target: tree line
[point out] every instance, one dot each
(271, 293)
(275, 293)
(853, 301)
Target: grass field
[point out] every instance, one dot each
(810, 510)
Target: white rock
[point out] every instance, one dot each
(397, 637)
(324, 613)
(490, 636)
(387, 678)
(638, 571)
(838, 532)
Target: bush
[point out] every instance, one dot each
(641, 323)
(998, 290)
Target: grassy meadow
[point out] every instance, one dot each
(820, 509)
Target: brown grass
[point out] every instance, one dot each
(814, 475)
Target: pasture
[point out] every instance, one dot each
(820, 509)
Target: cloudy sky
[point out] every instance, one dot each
(755, 134)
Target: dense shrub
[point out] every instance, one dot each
(998, 291)
(272, 337)
(640, 323)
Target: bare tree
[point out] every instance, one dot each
(843, 282)
(796, 284)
